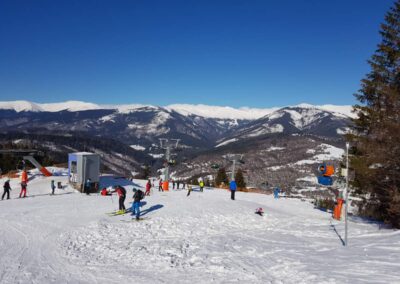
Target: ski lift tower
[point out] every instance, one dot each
(168, 145)
(234, 158)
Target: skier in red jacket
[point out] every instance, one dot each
(148, 187)
(121, 191)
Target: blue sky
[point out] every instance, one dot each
(237, 53)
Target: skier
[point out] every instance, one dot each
(183, 185)
(53, 187)
(276, 192)
(178, 182)
(201, 183)
(189, 189)
(23, 189)
(173, 184)
(87, 186)
(121, 191)
(232, 187)
(7, 189)
(260, 211)
(160, 185)
(136, 203)
(148, 187)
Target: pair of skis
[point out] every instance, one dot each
(120, 213)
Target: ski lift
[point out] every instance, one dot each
(171, 162)
(215, 166)
(326, 169)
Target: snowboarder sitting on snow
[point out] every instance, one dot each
(139, 195)
(260, 211)
(121, 191)
(148, 187)
(7, 189)
(53, 186)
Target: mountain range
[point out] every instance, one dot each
(204, 131)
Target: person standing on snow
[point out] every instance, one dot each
(276, 192)
(88, 184)
(233, 187)
(53, 187)
(173, 184)
(7, 189)
(201, 183)
(23, 189)
(160, 186)
(136, 203)
(121, 191)
(148, 188)
(189, 189)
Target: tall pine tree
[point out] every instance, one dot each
(221, 177)
(240, 179)
(376, 139)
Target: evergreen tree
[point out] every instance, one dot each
(144, 172)
(221, 177)
(240, 179)
(376, 148)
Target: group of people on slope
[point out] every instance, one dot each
(177, 183)
(137, 197)
(7, 189)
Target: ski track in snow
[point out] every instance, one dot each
(203, 238)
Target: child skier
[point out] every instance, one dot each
(53, 187)
(136, 203)
(7, 189)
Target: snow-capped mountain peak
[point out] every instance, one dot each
(206, 111)
(19, 106)
(222, 112)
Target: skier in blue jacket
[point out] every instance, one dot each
(233, 187)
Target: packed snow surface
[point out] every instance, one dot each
(203, 238)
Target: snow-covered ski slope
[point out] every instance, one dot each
(203, 238)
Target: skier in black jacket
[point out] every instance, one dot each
(7, 189)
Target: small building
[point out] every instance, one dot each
(83, 166)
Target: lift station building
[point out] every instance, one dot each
(83, 166)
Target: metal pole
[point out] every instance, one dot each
(233, 169)
(167, 156)
(347, 194)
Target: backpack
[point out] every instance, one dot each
(138, 195)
